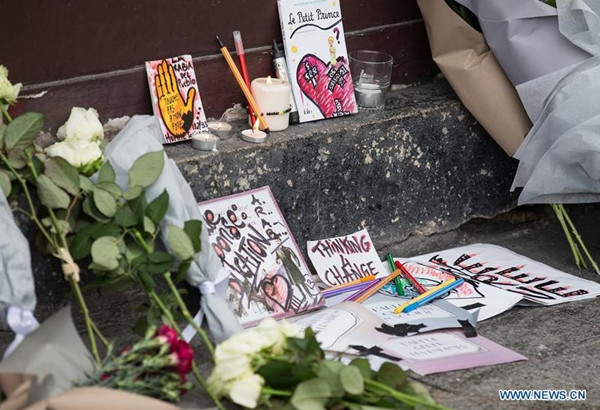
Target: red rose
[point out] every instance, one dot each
(185, 356)
(105, 376)
(168, 334)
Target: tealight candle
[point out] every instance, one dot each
(221, 129)
(205, 141)
(273, 97)
(254, 135)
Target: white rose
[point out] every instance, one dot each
(83, 155)
(227, 370)
(8, 92)
(246, 391)
(248, 342)
(82, 124)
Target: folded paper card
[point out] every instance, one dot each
(269, 276)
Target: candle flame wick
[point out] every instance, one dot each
(255, 126)
(269, 81)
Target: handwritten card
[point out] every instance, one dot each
(447, 351)
(345, 258)
(501, 268)
(175, 98)
(269, 276)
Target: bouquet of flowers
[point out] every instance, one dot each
(274, 365)
(156, 366)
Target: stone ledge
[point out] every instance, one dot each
(421, 165)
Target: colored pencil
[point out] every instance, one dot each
(371, 290)
(352, 282)
(334, 292)
(397, 282)
(410, 277)
(356, 294)
(236, 73)
(239, 49)
(434, 296)
(424, 295)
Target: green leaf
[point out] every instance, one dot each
(363, 366)
(133, 193)
(149, 226)
(311, 395)
(126, 217)
(352, 381)
(133, 251)
(111, 188)
(146, 169)
(105, 202)
(193, 228)
(2, 133)
(146, 280)
(5, 184)
(391, 375)
(157, 208)
(107, 173)
(180, 243)
(23, 130)
(160, 262)
(63, 174)
(90, 209)
(105, 253)
(51, 195)
(329, 371)
(85, 183)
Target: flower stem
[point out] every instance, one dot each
(275, 392)
(187, 314)
(579, 239)
(5, 113)
(572, 245)
(86, 315)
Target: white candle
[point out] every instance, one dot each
(220, 128)
(273, 97)
(204, 141)
(253, 135)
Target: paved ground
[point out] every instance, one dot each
(560, 342)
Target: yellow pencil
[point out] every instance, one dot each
(352, 282)
(400, 308)
(236, 73)
(371, 291)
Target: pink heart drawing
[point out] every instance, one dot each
(329, 87)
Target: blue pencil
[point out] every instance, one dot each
(434, 296)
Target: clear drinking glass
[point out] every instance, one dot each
(371, 76)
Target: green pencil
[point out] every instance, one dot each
(397, 281)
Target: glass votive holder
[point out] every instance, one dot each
(371, 76)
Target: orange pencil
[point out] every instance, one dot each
(371, 291)
(236, 73)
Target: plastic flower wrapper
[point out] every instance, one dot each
(140, 136)
(17, 289)
(156, 366)
(276, 365)
(461, 53)
(51, 358)
(525, 38)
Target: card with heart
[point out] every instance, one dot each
(268, 274)
(315, 47)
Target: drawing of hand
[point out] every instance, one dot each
(177, 114)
